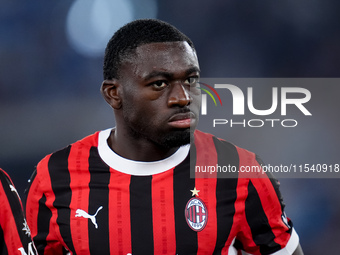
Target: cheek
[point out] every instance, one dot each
(141, 110)
(196, 97)
(131, 107)
(144, 105)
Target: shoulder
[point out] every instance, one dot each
(84, 143)
(5, 179)
(60, 159)
(206, 138)
(211, 142)
(3, 175)
(211, 150)
(9, 196)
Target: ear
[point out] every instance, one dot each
(110, 91)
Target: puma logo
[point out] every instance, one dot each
(82, 213)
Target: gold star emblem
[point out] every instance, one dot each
(195, 191)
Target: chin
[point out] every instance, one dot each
(177, 138)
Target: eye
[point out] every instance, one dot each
(192, 81)
(159, 84)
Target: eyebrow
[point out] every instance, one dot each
(169, 75)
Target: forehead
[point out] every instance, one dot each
(170, 57)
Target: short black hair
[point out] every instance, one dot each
(134, 34)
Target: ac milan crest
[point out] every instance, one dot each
(196, 214)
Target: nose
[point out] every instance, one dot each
(179, 95)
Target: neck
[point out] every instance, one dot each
(137, 149)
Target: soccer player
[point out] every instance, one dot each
(127, 189)
(15, 236)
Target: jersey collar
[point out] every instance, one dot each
(139, 168)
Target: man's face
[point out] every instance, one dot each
(161, 100)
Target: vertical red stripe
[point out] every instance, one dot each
(7, 221)
(189, 214)
(272, 208)
(42, 169)
(206, 238)
(119, 213)
(240, 227)
(163, 213)
(270, 203)
(33, 196)
(54, 237)
(80, 178)
(206, 183)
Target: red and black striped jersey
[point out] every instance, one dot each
(15, 237)
(86, 199)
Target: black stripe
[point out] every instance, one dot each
(225, 192)
(141, 215)
(3, 247)
(99, 238)
(186, 238)
(192, 217)
(238, 245)
(258, 223)
(43, 225)
(275, 183)
(14, 203)
(60, 181)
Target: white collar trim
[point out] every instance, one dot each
(140, 168)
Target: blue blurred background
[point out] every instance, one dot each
(51, 55)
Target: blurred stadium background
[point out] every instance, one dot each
(51, 70)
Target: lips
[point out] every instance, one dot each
(182, 120)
